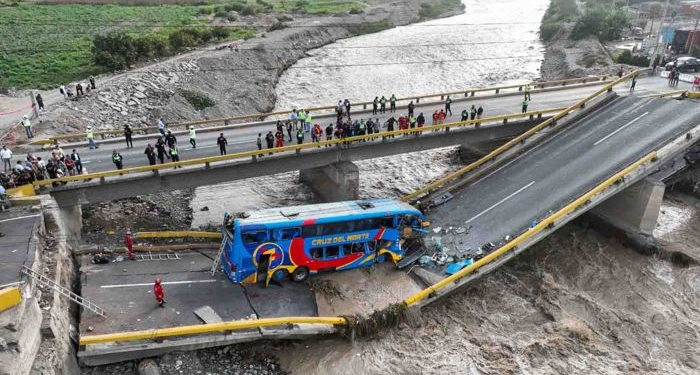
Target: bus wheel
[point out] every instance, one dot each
(300, 274)
(280, 275)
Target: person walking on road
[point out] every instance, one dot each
(392, 102)
(150, 154)
(78, 161)
(448, 104)
(174, 156)
(307, 124)
(479, 112)
(129, 242)
(160, 149)
(193, 137)
(170, 139)
(527, 91)
(633, 84)
(117, 159)
(90, 137)
(375, 105)
(472, 112)
(6, 156)
(300, 137)
(40, 102)
(465, 115)
(526, 102)
(294, 117)
(382, 104)
(27, 126)
(289, 130)
(127, 136)
(222, 142)
(161, 127)
(159, 293)
(258, 142)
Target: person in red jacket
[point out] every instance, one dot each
(158, 292)
(129, 242)
(279, 136)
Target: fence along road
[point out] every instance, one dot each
(420, 100)
(431, 290)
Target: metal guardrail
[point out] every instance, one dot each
(521, 138)
(297, 148)
(177, 234)
(467, 93)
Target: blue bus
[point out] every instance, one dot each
(277, 243)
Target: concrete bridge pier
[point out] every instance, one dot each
(634, 211)
(333, 182)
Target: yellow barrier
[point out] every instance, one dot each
(295, 148)
(665, 94)
(528, 233)
(466, 92)
(491, 155)
(10, 297)
(177, 234)
(21, 191)
(206, 328)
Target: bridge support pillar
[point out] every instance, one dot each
(72, 220)
(635, 210)
(334, 182)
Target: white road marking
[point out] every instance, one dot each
(151, 284)
(620, 129)
(499, 202)
(18, 218)
(198, 148)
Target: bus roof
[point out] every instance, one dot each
(309, 214)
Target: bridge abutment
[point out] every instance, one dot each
(333, 182)
(634, 210)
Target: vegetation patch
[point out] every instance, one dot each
(435, 9)
(198, 100)
(627, 57)
(324, 287)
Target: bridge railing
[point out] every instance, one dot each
(297, 148)
(153, 334)
(519, 139)
(470, 92)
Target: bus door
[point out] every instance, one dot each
(253, 239)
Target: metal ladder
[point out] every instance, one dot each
(46, 282)
(217, 260)
(166, 256)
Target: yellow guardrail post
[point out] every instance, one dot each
(10, 297)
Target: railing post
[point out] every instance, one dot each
(442, 97)
(583, 105)
(207, 166)
(466, 94)
(505, 121)
(298, 151)
(102, 136)
(156, 172)
(102, 180)
(417, 100)
(364, 106)
(520, 88)
(472, 93)
(497, 91)
(539, 116)
(532, 117)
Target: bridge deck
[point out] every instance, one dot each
(570, 163)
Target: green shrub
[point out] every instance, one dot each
(356, 11)
(549, 30)
(232, 18)
(277, 26)
(198, 100)
(236, 7)
(221, 14)
(604, 23)
(220, 32)
(204, 11)
(114, 51)
(249, 10)
(284, 18)
(626, 57)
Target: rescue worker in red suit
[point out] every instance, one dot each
(158, 292)
(129, 242)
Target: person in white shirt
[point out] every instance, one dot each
(6, 156)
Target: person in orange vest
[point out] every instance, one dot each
(158, 293)
(129, 242)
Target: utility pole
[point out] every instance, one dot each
(658, 39)
(692, 36)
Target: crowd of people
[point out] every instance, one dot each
(33, 168)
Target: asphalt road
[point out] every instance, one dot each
(566, 166)
(17, 226)
(243, 139)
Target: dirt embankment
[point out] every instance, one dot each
(227, 82)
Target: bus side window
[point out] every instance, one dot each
(317, 253)
(357, 248)
(372, 246)
(286, 234)
(253, 237)
(332, 252)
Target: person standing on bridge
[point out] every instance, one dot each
(300, 137)
(620, 72)
(170, 139)
(117, 159)
(411, 107)
(329, 133)
(161, 127)
(90, 137)
(129, 242)
(302, 119)
(289, 130)
(193, 137)
(307, 124)
(78, 162)
(222, 142)
(6, 156)
(527, 91)
(347, 105)
(382, 104)
(633, 84)
(270, 139)
(160, 148)
(392, 102)
(279, 137)
(127, 136)
(27, 126)
(448, 104)
(150, 154)
(159, 293)
(472, 112)
(174, 155)
(294, 117)
(465, 115)
(526, 102)
(479, 112)
(375, 105)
